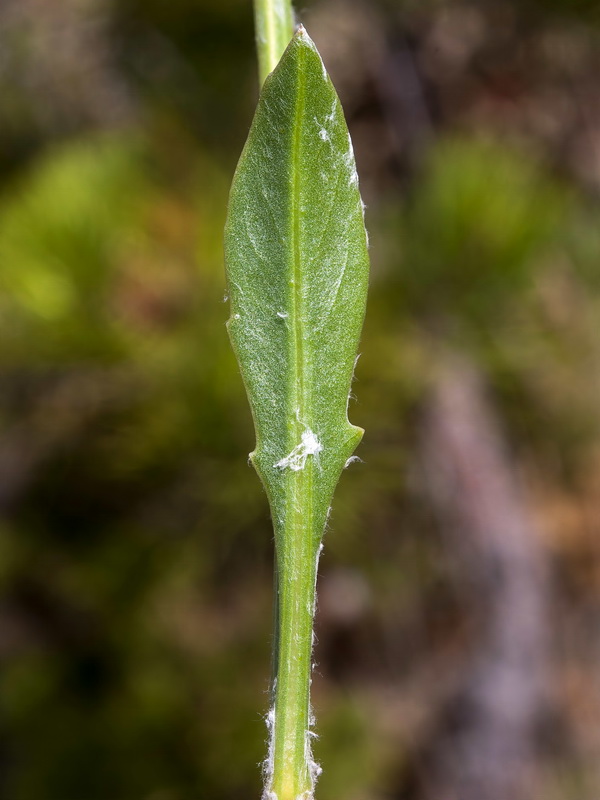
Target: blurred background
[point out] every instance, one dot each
(459, 594)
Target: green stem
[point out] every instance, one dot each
(297, 552)
(274, 21)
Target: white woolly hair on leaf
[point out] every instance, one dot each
(296, 460)
(269, 762)
(350, 395)
(352, 460)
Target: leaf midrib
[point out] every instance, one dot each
(292, 718)
(299, 399)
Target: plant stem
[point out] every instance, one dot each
(298, 547)
(274, 21)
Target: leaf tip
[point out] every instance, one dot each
(302, 37)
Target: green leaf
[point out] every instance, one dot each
(297, 265)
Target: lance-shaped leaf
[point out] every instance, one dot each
(297, 265)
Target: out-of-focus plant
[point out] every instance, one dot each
(473, 229)
(297, 265)
(108, 480)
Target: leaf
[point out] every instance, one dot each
(297, 264)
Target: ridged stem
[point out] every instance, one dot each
(291, 766)
(274, 21)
